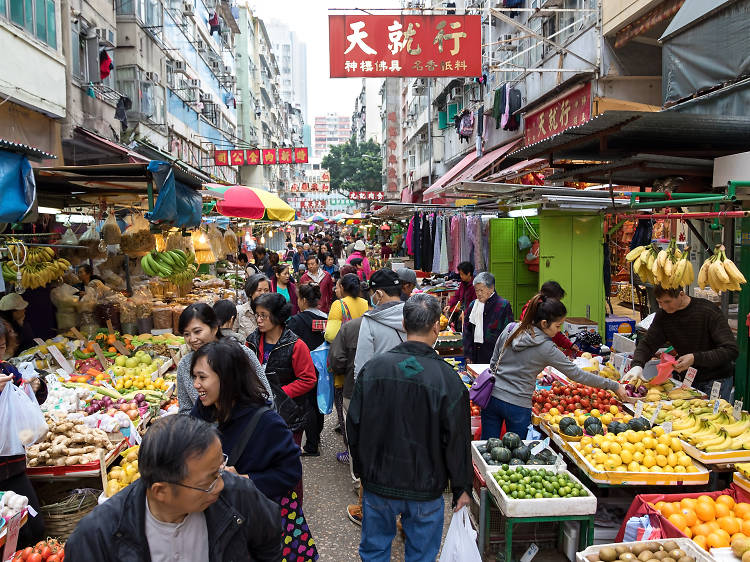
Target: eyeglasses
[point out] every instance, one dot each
(210, 489)
(262, 316)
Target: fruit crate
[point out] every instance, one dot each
(77, 470)
(741, 481)
(685, 544)
(638, 478)
(720, 457)
(510, 507)
(485, 469)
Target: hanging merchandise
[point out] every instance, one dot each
(137, 240)
(110, 230)
(231, 244)
(720, 273)
(38, 266)
(216, 240)
(91, 240)
(176, 204)
(532, 257)
(466, 125)
(69, 238)
(105, 64)
(17, 186)
(203, 252)
(176, 240)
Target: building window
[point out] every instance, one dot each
(36, 16)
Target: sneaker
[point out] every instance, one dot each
(343, 457)
(354, 512)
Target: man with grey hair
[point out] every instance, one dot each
(485, 319)
(411, 392)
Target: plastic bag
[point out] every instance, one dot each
(461, 541)
(216, 240)
(110, 230)
(69, 237)
(21, 419)
(137, 240)
(231, 244)
(325, 378)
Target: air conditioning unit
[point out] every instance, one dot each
(179, 66)
(105, 36)
(152, 77)
(206, 97)
(200, 45)
(188, 9)
(192, 94)
(194, 83)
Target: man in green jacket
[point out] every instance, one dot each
(411, 392)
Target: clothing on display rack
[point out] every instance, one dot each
(436, 245)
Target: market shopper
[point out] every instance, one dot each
(699, 333)
(226, 314)
(86, 274)
(198, 325)
(484, 320)
(255, 286)
(341, 362)
(410, 392)
(298, 258)
(360, 253)
(330, 266)
(553, 290)
(465, 293)
(522, 352)
(408, 279)
(316, 274)
(13, 311)
(283, 284)
(185, 506)
(262, 261)
(349, 304)
(310, 325)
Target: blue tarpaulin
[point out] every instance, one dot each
(17, 186)
(177, 204)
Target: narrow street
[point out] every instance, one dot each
(328, 490)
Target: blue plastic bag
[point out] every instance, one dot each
(17, 186)
(176, 204)
(325, 378)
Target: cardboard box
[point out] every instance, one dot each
(573, 325)
(617, 325)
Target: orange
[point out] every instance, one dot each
(729, 524)
(726, 500)
(659, 505)
(705, 498)
(705, 511)
(742, 510)
(746, 526)
(668, 509)
(690, 517)
(702, 530)
(713, 525)
(715, 540)
(722, 510)
(687, 532)
(700, 540)
(688, 503)
(678, 520)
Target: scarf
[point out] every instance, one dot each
(477, 318)
(318, 277)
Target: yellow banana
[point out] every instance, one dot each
(635, 253)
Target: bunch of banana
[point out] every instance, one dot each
(642, 259)
(185, 276)
(34, 255)
(669, 267)
(10, 270)
(714, 432)
(720, 273)
(40, 274)
(166, 264)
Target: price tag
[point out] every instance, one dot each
(625, 365)
(52, 381)
(638, 409)
(110, 328)
(689, 377)
(656, 413)
(100, 355)
(121, 349)
(11, 535)
(716, 406)
(558, 463)
(64, 363)
(737, 411)
(715, 390)
(530, 553)
(667, 426)
(540, 447)
(39, 341)
(78, 335)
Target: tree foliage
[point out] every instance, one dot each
(355, 166)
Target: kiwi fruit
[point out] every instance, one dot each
(677, 553)
(638, 548)
(686, 559)
(660, 555)
(669, 546)
(622, 549)
(608, 554)
(627, 557)
(746, 556)
(668, 559)
(645, 555)
(593, 558)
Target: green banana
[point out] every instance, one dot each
(146, 266)
(164, 258)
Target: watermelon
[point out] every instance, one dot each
(511, 440)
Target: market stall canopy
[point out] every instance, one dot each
(450, 174)
(246, 202)
(318, 217)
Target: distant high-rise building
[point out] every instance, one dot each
(330, 129)
(291, 54)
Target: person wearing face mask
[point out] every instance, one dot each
(485, 318)
(255, 286)
(199, 325)
(522, 352)
(382, 327)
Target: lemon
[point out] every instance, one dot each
(661, 460)
(649, 442)
(634, 467)
(672, 459)
(604, 446)
(633, 436)
(685, 461)
(649, 461)
(598, 439)
(627, 457)
(596, 412)
(658, 431)
(585, 440)
(668, 469)
(614, 410)
(638, 456)
(615, 448)
(692, 468)
(607, 419)
(675, 444)
(621, 468)
(664, 439)
(639, 447)
(600, 457)
(655, 468)
(662, 449)
(679, 468)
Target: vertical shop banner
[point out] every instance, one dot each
(570, 110)
(365, 46)
(300, 155)
(253, 157)
(269, 155)
(285, 156)
(237, 157)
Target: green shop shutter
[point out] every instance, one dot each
(503, 256)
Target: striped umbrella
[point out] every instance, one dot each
(249, 202)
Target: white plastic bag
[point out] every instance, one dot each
(461, 541)
(21, 419)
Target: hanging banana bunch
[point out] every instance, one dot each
(32, 268)
(669, 267)
(720, 273)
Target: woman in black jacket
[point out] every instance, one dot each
(310, 326)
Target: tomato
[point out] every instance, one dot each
(53, 558)
(27, 552)
(46, 552)
(35, 557)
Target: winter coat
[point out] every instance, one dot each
(342, 352)
(497, 315)
(310, 326)
(517, 366)
(326, 289)
(382, 329)
(289, 364)
(364, 275)
(242, 525)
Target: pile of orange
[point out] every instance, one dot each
(711, 523)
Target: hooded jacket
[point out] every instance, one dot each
(382, 329)
(364, 275)
(517, 366)
(242, 525)
(310, 326)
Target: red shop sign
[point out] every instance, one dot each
(400, 45)
(367, 195)
(571, 110)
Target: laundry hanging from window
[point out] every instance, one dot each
(105, 64)
(213, 23)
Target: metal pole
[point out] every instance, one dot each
(429, 129)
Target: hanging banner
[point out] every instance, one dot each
(570, 110)
(308, 186)
(367, 195)
(258, 156)
(237, 157)
(300, 155)
(253, 157)
(366, 46)
(285, 156)
(221, 157)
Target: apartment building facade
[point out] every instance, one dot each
(330, 129)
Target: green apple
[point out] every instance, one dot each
(119, 370)
(120, 360)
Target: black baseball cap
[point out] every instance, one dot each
(383, 278)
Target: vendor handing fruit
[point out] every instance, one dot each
(700, 334)
(521, 353)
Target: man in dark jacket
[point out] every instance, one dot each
(409, 391)
(183, 507)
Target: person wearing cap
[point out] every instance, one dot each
(408, 278)
(360, 252)
(383, 326)
(13, 311)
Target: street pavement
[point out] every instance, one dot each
(328, 489)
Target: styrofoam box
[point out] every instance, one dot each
(690, 548)
(485, 468)
(542, 507)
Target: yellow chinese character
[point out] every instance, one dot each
(564, 110)
(455, 35)
(552, 118)
(540, 124)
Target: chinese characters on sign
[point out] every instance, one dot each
(370, 46)
(571, 110)
(310, 186)
(390, 152)
(258, 156)
(367, 195)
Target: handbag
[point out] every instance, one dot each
(293, 414)
(325, 378)
(481, 391)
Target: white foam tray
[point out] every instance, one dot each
(690, 548)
